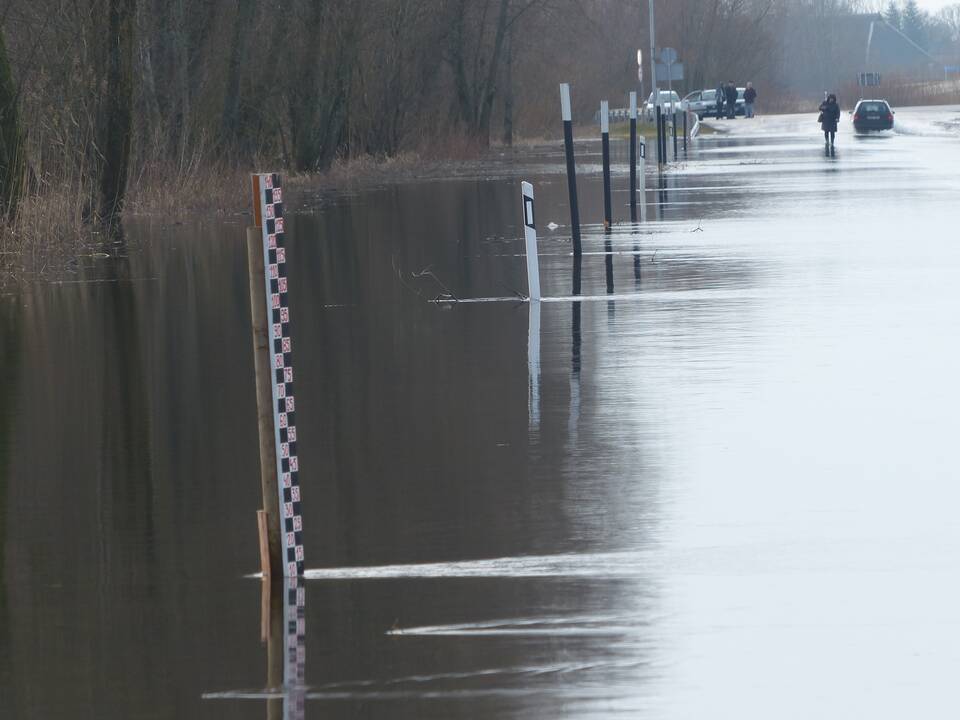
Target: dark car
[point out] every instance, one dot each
(872, 115)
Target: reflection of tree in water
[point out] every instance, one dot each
(125, 427)
(10, 348)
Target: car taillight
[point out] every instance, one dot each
(890, 117)
(857, 116)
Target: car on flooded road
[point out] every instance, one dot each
(872, 116)
(669, 102)
(702, 102)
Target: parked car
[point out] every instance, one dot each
(669, 101)
(872, 115)
(704, 103)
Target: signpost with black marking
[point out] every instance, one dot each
(642, 173)
(530, 237)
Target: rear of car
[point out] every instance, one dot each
(702, 102)
(872, 116)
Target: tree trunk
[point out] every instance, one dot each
(11, 140)
(489, 89)
(118, 110)
(238, 48)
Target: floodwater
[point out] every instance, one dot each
(723, 483)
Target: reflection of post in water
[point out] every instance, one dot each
(125, 425)
(283, 628)
(662, 196)
(10, 348)
(575, 369)
(608, 254)
(533, 366)
(575, 351)
(636, 256)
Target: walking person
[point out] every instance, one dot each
(829, 118)
(731, 99)
(749, 98)
(721, 93)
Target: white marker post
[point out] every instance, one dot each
(642, 173)
(530, 235)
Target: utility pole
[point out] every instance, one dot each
(653, 59)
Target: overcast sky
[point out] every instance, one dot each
(934, 5)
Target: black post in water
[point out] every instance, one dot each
(571, 167)
(633, 157)
(664, 139)
(605, 145)
(608, 257)
(674, 134)
(659, 136)
(686, 130)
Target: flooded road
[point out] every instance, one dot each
(724, 479)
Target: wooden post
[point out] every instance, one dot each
(264, 533)
(261, 363)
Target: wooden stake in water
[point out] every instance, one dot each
(269, 217)
(605, 143)
(530, 237)
(567, 115)
(261, 364)
(633, 157)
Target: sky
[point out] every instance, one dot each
(934, 5)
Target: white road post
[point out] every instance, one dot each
(642, 174)
(530, 235)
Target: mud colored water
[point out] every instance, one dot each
(722, 483)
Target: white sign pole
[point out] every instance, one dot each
(642, 174)
(530, 236)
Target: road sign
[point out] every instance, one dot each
(665, 75)
(668, 56)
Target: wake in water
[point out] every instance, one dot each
(591, 565)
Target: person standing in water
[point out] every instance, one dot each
(720, 96)
(829, 117)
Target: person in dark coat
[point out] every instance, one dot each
(829, 117)
(749, 98)
(721, 94)
(731, 103)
